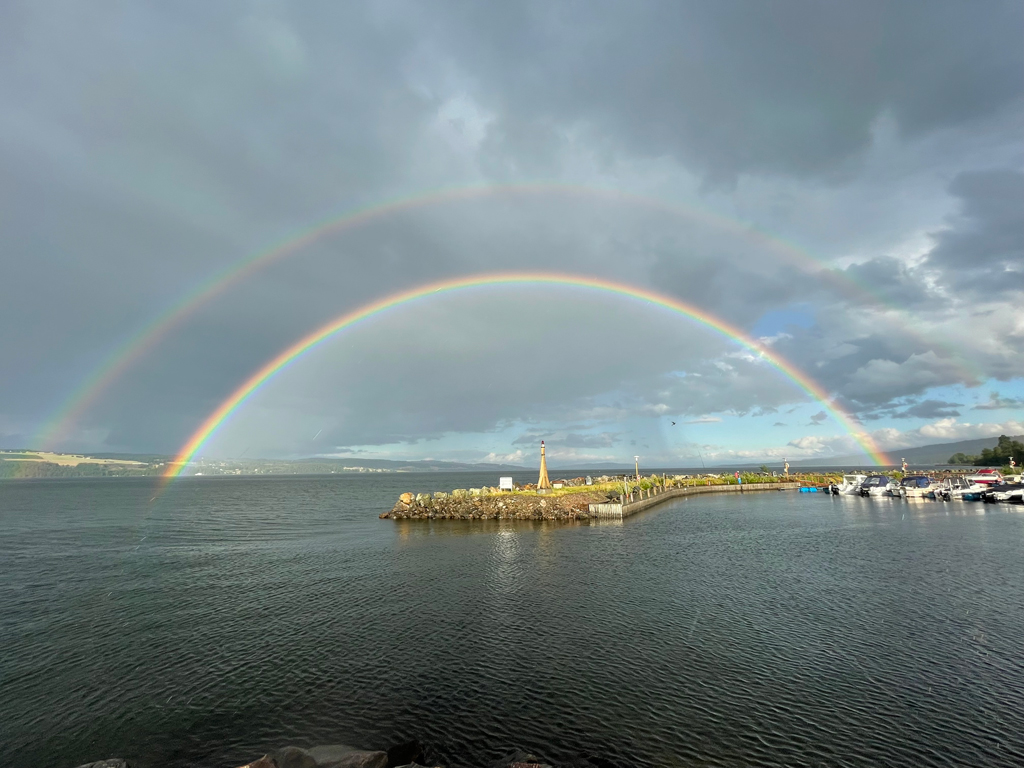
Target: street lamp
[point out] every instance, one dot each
(637, 460)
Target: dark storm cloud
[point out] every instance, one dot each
(735, 87)
(144, 149)
(892, 281)
(870, 371)
(983, 248)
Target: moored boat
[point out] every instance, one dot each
(850, 485)
(954, 488)
(981, 482)
(1006, 492)
(878, 485)
(917, 487)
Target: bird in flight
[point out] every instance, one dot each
(673, 423)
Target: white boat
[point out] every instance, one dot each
(878, 485)
(917, 487)
(850, 485)
(1013, 493)
(986, 477)
(953, 488)
(981, 482)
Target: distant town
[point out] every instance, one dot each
(25, 463)
(21, 463)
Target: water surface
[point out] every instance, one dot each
(235, 615)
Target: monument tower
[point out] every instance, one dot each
(542, 482)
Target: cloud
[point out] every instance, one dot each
(811, 445)
(942, 431)
(704, 420)
(997, 402)
(516, 457)
(951, 429)
(818, 418)
(880, 380)
(893, 280)
(766, 80)
(862, 215)
(984, 243)
(559, 440)
(929, 409)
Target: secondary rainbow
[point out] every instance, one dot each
(224, 411)
(146, 338)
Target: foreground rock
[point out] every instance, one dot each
(327, 756)
(407, 755)
(508, 506)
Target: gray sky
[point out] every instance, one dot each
(842, 180)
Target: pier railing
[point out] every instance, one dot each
(637, 502)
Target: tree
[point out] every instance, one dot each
(962, 458)
(1000, 455)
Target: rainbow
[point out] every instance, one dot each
(240, 396)
(147, 337)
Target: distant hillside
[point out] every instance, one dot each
(424, 465)
(937, 453)
(27, 463)
(329, 465)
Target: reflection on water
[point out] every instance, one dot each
(241, 614)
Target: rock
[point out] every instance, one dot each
(404, 754)
(340, 756)
(440, 495)
(520, 759)
(114, 762)
(406, 498)
(293, 757)
(263, 762)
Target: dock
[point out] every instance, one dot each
(646, 499)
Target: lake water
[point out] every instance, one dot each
(235, 615)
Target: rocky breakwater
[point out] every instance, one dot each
(491, 504)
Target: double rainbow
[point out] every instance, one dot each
(149, 335)
(240, 396)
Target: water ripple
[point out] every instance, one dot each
(240, 615)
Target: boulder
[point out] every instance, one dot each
(406, 753)
(406, 498)
(440, 495)
(520, 759)
(263, 762)
(293, 757)
(340, 756)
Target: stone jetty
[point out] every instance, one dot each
(569, 499)
(477, 504)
